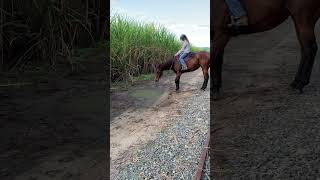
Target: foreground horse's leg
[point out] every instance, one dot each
(177, 80)
(305, 32)
(220, 40)
(217, 72)
(206, 77)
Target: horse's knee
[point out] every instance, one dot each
(310, 49)
(314, 48)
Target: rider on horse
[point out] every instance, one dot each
(184, 51)
(238, 13)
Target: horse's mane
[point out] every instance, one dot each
(167, 65)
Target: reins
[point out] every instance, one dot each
(172, 63)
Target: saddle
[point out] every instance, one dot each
(189, 56)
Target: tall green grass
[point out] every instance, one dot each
(136, 46)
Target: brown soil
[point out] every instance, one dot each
(54, 126)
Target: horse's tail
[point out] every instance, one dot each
(209, 59)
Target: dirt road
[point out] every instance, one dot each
(150, 108)
(261, 128)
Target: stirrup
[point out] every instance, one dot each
(237, 30)
(183, 68)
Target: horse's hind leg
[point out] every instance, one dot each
(220, 41)
(305, 31)
(205, 76)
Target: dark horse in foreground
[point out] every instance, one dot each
(264, 15)
(196, 60)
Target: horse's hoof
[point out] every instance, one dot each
(203, 89)
(294, 84)
(215, 96)
(300, 91)
(299, 87)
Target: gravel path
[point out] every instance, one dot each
(175, 153)
(267, 130)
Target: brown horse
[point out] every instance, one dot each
(200, 59)
(265, 15)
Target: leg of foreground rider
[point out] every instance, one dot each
(238, 12)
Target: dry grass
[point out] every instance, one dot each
(40, 31)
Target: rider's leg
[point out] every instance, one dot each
(238, 12)
(182, 62)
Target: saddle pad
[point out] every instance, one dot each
(188, 57)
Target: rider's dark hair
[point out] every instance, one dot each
(184, 37)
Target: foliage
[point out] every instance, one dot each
(42, 30)
(135, 47)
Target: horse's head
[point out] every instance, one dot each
(158, 72)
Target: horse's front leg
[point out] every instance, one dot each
(305, 32)
(177, 80)
(217, 72)
(220, 40)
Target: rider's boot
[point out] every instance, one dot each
(184, 67)
(241, 21)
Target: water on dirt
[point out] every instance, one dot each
(147, 95)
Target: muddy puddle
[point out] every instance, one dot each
(136, 97)
(146, 96)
